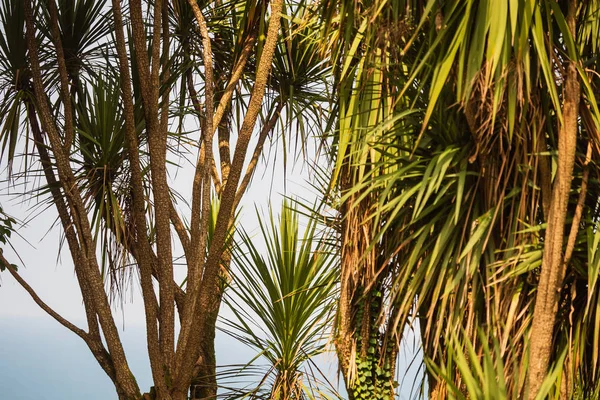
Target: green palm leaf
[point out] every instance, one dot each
(282, 298)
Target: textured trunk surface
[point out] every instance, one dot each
(553, 263)
(366, 355)
(204, 385)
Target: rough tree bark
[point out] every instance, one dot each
(173, 365)
(366, 348)
(553, 262)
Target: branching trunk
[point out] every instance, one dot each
(87, 260)
(54, 117)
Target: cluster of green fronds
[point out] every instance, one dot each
(282, 299)
(446, 134)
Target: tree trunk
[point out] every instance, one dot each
(367, 356)
(553, 264)
(204, 385)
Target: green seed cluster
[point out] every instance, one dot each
(374, 380)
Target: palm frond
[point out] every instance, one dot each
(282, 300)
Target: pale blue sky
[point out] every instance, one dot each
(41, 360)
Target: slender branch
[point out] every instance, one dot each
(156, 61)
(224, 126)
(224, 137)
(64, 78)
(138, 30)
(94, 344)
(209, 83)
(164, 117)
(181, 230)
(236, 75)
(88, 261)
(61, 320)
(167, 293)
(210, 279)
(267, 128)
(198, 108)
(65, 174)
(157, 143)
(194, 272)
(552, 270)
(199, 206)
(201, 185)
(142, 243)
(578, 210)
(63, 214)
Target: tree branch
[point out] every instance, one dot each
(236, 74)
(578, 209)
(88, 261)
(157, 143)
(223, 127)
(63, 214)
(267, 128)
(210, 284)
(200, 211)
(181, 230)
(142, 243)
(64, 78)
(198, 108)
(93, 343)
(78, 331)
(201, 187)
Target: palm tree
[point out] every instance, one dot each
(464, 150)
(99, 98)
(282, 302)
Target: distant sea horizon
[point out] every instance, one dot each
(42, 360)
